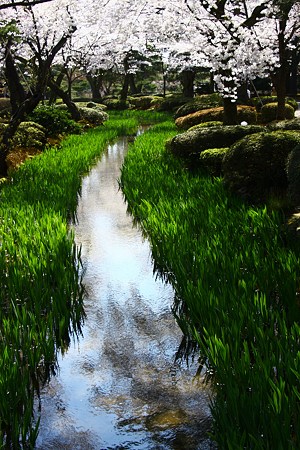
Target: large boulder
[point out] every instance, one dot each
(245, 114)
(255, 166)
(202, 138)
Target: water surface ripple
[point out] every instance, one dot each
(118, 387)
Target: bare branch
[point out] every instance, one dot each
(14, 4)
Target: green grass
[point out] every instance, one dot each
(42, 293)
(237, 287)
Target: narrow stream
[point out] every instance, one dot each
(118, 387)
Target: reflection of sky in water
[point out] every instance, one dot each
(116, 382)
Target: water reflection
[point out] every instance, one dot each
(118, 387)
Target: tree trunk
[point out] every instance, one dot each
(53, 96)
(280, 76)
(125, 88)
(72, 108)
(187, 81)
(230, 112)
(16, 90)
(293, 73)
(96, 85)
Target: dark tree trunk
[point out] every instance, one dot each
(280, 76)
(58, 81)
(230, 112)
(59, 92)
(293, 73)
(125, 88)
(242, 93)
(16, 90)
(187, 81)
(132, 86)
(96, 85)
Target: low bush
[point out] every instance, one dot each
(145, 101)
(171, 103)
(293, 176)
(4, 103)
(201, 138)
(259, 102)
(254, 167)
(55, 120)
(293, 124)
(92, 115)
(95, 105)
(212, 160)
(115, 104)
(199, 103)
(245, 113)
(269, 112)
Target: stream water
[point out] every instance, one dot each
(118, 386)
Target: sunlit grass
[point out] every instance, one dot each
(237, 286)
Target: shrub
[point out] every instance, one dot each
(28, 135)
(115, 104)
(4, 103)
(293, 124)
(258, 102)
(171, 103)
(55, 120)
(254, 167)
(144, 102)
(245, 113)
(212, 160)
(199, 103)
(269, 112)
(94, 105)
(293, 175)
(199, 139)
(93, 116)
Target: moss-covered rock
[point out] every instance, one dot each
(214, 123)
(293, 124)
(255, 166)
(199, 139)
(212, 160)
(268, 112)
(199, 103)
(293, 176)
(245, 114)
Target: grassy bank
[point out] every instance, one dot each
(41, 288)
(236, 278)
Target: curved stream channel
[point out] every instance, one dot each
(118, 386)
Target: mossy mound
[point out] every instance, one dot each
(268, 112)
(28, 135)
(245, 113)
(212, 160)
(199, 103)
(254, 167)
(293, 124)
(202, 138)
(97, 106)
